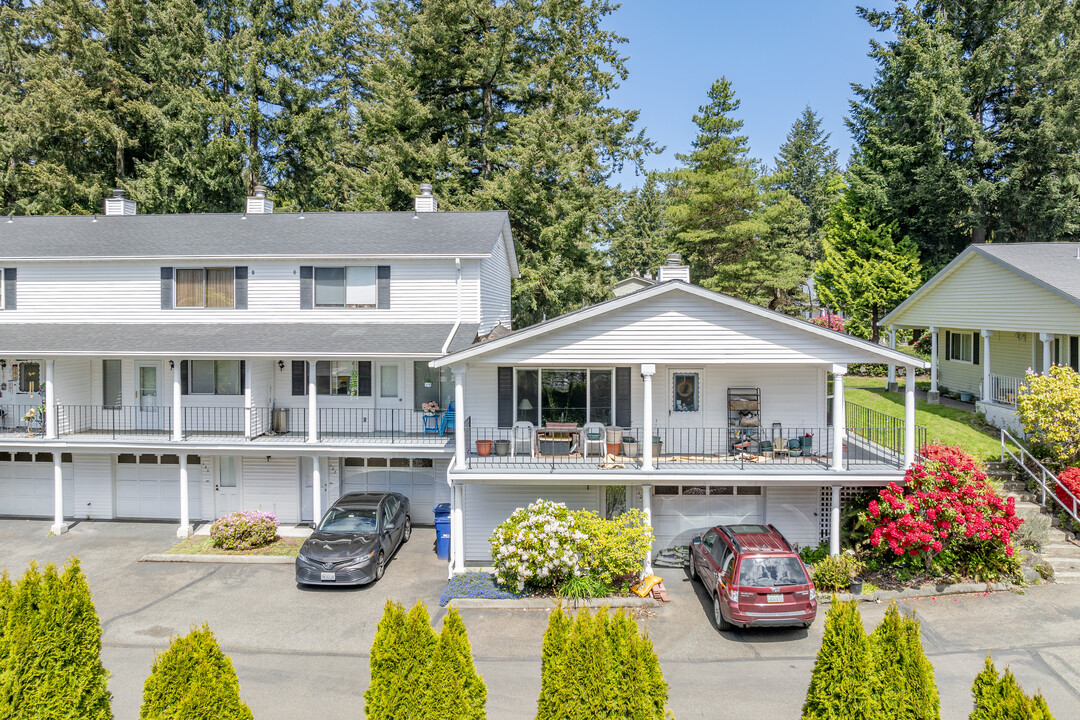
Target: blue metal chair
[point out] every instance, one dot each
(447, 421)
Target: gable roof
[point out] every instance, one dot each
(1053, 266)
(273, 235)
(658, 290)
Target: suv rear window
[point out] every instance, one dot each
(771, 572)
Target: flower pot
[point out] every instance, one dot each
(483, 448)
(856, 586)
(630, 448)
(427, 383)
(502, 447)
(965, 396)
(657, 444)
(807, 444)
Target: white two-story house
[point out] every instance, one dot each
(693, 406)
(184, 366)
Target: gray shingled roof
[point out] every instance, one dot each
(310, 235)
(1056, 265)
(232, 339)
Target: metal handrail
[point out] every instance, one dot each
(1041, 478)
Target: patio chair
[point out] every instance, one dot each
(523, 438)
(447, 421)
(592, 438)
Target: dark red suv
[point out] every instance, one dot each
(754, 575)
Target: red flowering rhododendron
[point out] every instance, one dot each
(946, 503)
(832, 322)
(1070, 478)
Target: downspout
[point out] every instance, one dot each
(457, 321)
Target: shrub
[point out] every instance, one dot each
(948, 517)
(1049, 409)
(1070, 478)
(1002, 698)
(902, 685)
(840, 682)
(475, 585)
(1034, 532)
(613, 550)
(244, 530)
(50, 648)
(581, 587)
(599, 666)
(835, 572)
(536, 545)
(400, 658)
(193, 680)
(830, 321)
(454, 689)
(814, 555)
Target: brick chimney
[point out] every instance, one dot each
(118, 204)
(673, 269)
(259, 204)
(425, 201)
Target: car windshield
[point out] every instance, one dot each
(349, 520)
(771, 572)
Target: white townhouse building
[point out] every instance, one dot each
(694, 406)
(184, 366)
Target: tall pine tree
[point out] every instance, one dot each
(806, 168)
(639, 236)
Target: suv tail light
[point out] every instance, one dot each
(734, 592)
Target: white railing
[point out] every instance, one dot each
(1048, 483)
(1003, 389)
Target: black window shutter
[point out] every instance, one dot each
(240, 288)
(322, 377)
(948, 345)
(183, 377)
(384, 286)
(506, 396)
(299, 377)
(10, 275)
(307, 287)
(975, 342)
(166, 288)
(363, 378)
(623, 378)
(243, 377)
(1074, 352)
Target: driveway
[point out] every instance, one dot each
(299, 652)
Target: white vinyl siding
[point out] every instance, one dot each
(272, 486)
(495, 288)
(1011, 355)
(794, 512)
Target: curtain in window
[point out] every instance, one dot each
(202, 377)
(189, 288)
(329, 287)
(227, 377)
(219, 287)
(360, 287)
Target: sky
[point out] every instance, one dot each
(780, 56)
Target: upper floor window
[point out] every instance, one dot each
(354, 286)
(7, 288)
(205, 287)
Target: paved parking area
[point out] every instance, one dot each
(300, 652)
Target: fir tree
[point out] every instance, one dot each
(902, 684)
(840, 683)
(389, 654)
(806, 168)
(454, 689)
(639, 238)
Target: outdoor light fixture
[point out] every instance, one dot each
(280, 364)
(3, 363)
(172, 365)
(267, 458)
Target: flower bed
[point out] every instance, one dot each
(476, 585)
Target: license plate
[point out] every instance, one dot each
(771, 597)
(333, 576)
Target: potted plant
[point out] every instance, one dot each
(629, 446)
(427, 382)
(431, 407)
(807, 442)
(614, 440)
(483, 448)
(657, 445)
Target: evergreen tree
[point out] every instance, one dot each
(639, 238)
(50, 648)
(902, 684)
(806, 168)
(1002, 698)
(840, 683)
(193, 680)
(454, 689)
(864, 271)
(401, 659)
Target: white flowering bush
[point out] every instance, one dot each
(536, 545)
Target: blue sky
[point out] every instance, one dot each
(780, 56)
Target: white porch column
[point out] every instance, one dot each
(459, 417)
(1048, 351)
(892, 386)
(316, 490)
(834, 522)
(177, 407)
(909, 416)
(933, 397)
(986, 335)
(457, 529)
(453, 550)
(312, 405)
(59, 527)
(247, 400)
(50, 399)
(839, 418)
(646, 507)
(184, 531)
(647, 372)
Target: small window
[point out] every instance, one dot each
(376, 462)
(29, 377)
(721, 490)
(24, 457)
(685, 388)
(65, 457)
(354, 462)
(5, 457)
(399, 462)
(666, 490)
(960, 345)
(111, 388)
(423, 462)
(170, 459)
(215, 377)
(125, 459)
(748, 491)
(148, 459)
(693, 489)
(194, 460)
(354, 287)
(43, 457)
(205, 287)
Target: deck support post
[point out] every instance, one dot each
(184, 531)
(647, 372)
(312, 405)
(50, 399)
(457, 529)
(59, 527)
(316, 491)
(1048, 351)
(459, 417)
(177, 407)
(646, 508)
(933, 397)
(909, 416)
(839, 419)
(834, 522)
(247, 400)
(892, 385)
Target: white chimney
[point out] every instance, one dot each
(673, 269)
(425, 201)
(259, 204)
(118, 204)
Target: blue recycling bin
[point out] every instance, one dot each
(442, 530)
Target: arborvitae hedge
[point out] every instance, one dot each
(50, 648)
(193, 680)
(840, 684)
(455, 691)
(599, 666)
(1002, 698)
(902, 684)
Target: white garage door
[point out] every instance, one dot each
(26, 484)
(148, 486)
(681, 512)
(488, 505)
(412, 477)
(795, 512)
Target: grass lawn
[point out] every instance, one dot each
(948, 425)
(202, 545)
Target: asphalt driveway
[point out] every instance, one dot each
(300, 652)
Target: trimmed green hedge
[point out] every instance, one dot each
(1002, 698)
(902, 686)
(840, 683)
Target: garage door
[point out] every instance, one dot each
(26, 484)
(148, 486)
(488, 505)
(412, 477)
(682, 511)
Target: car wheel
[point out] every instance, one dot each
(407, 533)
(693, 569)
(718, 616)
(380, 565)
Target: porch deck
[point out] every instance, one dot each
(196, 437)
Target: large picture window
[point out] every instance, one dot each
(440, 389)
(558, 395)
(205, 287)
(354, 287)
(215, 377)
(350, 378)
